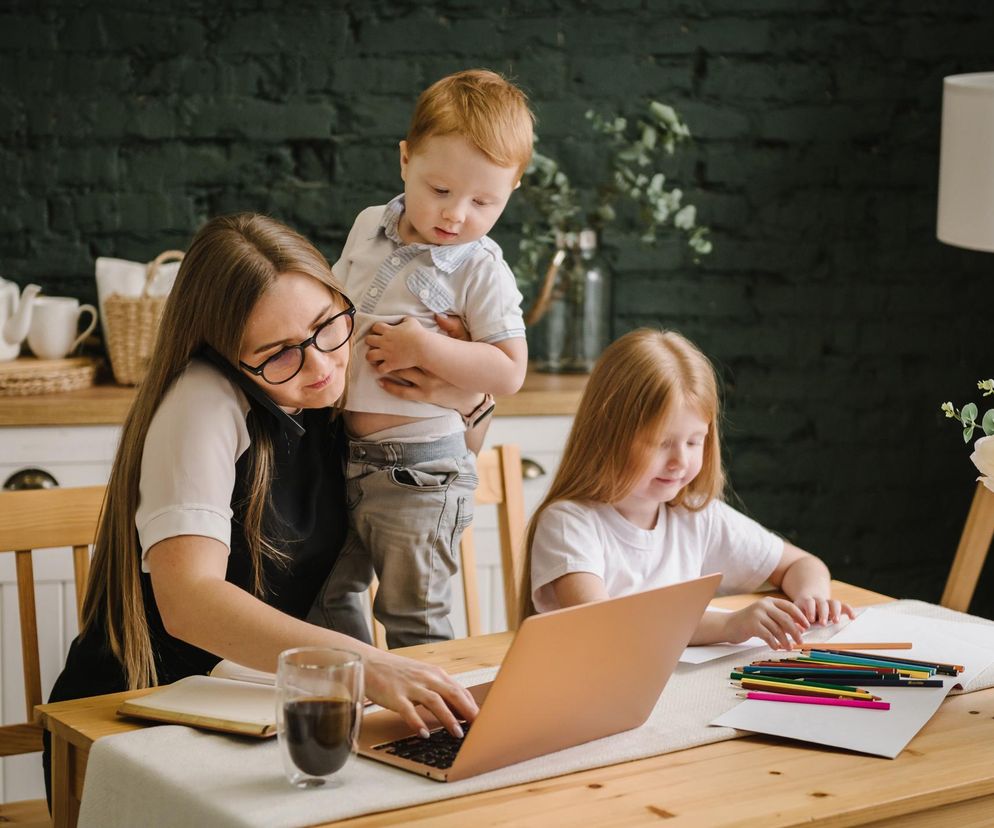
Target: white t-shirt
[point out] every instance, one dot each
(594, 537)
(188, 465)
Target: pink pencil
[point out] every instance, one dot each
(784, 697)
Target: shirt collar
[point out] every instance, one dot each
(446, 257)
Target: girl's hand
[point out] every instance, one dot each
(400, 683)
(775, 620)
(819, 610)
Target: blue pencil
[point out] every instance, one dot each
(821, 655)
(802, 672)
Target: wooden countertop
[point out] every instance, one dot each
(542, 394)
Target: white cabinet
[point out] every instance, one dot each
(74, 456)
(82, 456)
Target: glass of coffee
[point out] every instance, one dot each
(319, 699)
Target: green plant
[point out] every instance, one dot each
(983, 449)
(967, 415)
(633, 171)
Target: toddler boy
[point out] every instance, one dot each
(410, 478)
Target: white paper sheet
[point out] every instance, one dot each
(938, 639)
(878, 732)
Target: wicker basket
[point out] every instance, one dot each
(131, 324)
(27, 375)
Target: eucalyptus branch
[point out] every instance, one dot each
(967, 415)
(637, 151)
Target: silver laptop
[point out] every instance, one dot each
(570, 676)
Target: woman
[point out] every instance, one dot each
(225, 508)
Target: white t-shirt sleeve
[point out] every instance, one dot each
(745, 552)
(188, 464)
(567, 539)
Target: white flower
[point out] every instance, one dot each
(983, 459)
(685, 219)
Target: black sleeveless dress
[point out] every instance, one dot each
(306, 518)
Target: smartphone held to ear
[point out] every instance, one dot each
(251, 389)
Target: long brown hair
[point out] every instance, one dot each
(231, 263)
(634, 388)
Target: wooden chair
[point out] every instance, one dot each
(974, 544)
(29, 520)
(500, 475)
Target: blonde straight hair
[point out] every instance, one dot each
(635, 387)
(231, 263)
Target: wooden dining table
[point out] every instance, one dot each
(945, 777)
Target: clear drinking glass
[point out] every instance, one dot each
(319, 700)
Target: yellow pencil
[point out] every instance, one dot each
(856, 694)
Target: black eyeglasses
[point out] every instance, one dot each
(285, 364)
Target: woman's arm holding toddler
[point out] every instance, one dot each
(497, 368)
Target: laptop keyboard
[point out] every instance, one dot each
(438, 750)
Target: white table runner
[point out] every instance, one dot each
(176, 776)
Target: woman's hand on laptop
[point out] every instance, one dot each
(400, 683)
(775, 620)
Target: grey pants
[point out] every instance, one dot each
(408, 505)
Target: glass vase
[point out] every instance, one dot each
(570, 323)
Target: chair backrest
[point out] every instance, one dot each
(499, 470)
(39, 519)
(974, 544)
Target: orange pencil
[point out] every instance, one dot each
(878, 645)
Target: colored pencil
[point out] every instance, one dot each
(910, 672)
(777, 697)
(791, 690)
(886, 645)
(787, 680)
(805, 686)
(892, 682)
(808, 663)
(805, 672)
(816, 678)
(937, 665)
(845, 658)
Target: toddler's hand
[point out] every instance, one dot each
(452, 326)
(820, 610)
(775, 620)
(395, 347)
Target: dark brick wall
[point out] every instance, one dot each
(837, 320)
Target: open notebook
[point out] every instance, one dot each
(232, 699)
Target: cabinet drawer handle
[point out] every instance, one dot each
(30, 479)
(530, 469)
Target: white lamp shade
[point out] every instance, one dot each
(966, 163)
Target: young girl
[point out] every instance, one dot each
(636, 503)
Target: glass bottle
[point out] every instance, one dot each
(574, 309)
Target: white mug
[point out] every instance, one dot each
(54, 322)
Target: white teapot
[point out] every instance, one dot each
(15, 317)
